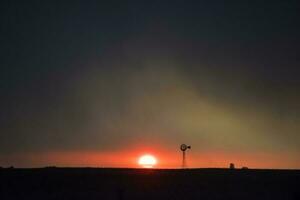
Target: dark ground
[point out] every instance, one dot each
(143, 184)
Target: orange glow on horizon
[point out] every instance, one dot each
(167, 159)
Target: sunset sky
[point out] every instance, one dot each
(88, 83)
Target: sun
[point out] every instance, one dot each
(147, 161)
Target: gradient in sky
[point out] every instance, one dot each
(99, 84)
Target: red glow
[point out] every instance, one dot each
(167, 159)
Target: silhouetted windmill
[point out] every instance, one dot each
(183, 148)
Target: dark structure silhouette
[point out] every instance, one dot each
(183, 148)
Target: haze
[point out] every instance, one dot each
(95, 84)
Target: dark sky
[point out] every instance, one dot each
(121, 77)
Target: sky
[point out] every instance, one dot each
(96, 83)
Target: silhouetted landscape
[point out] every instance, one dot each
(104, 183)
(150, 100)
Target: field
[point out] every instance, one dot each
(144, 184)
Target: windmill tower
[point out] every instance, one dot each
(183, 148)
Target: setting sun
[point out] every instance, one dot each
(147, 161)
